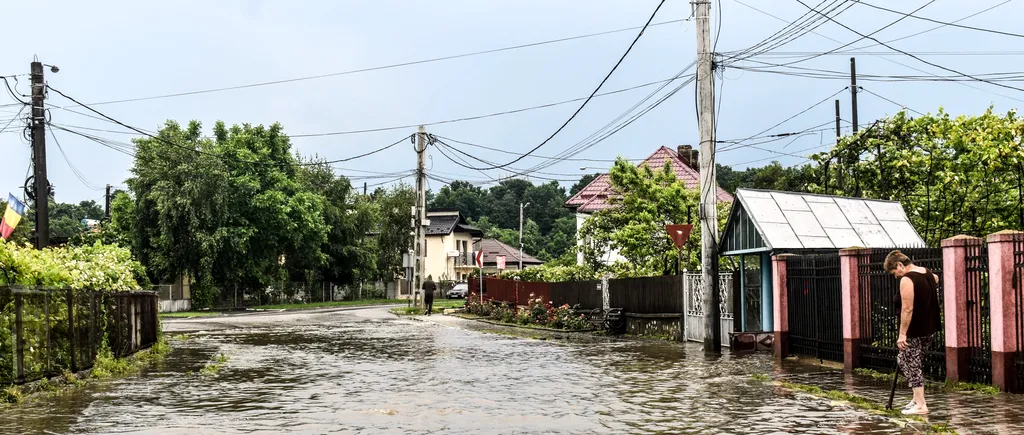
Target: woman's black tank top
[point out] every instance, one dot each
(926, 319)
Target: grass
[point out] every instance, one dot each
(330, 304)
(105, 366)
(946, 386)
(213, 367)
(189, 314)
(856, 401)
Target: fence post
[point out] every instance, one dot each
(1004, 310)
(849, 263)
(954, 293)
(71, 330)
(781, 305)
(19, 335)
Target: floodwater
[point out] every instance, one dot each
(367, 371)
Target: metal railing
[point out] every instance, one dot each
(814, 286)
(879, 323)
(1018, 289)
(44, 332)
(979, 315)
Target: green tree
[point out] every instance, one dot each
(953, 175)
(393, 232)
(470, 200)
(645, 201)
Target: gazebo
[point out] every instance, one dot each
(764, 223)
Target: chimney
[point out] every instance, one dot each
(689, 156)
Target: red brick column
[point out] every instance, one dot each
(781, 305)
(954, 286)
(851, 301)
(1004, 309)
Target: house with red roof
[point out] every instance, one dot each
(684, 162)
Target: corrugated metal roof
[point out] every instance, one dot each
(796, 221)
(594, 197)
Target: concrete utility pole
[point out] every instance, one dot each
(106, 206)
(853, 92)
(42, 183)
(708, 184)
(840, 160)
(421, 209)
(521, 207)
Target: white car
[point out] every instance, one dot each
(459, 291)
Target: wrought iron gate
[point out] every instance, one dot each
(814, 289)
(694, 292)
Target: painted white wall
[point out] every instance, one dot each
(609, 258)
(439, 264)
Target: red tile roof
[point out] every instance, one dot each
(594, 197)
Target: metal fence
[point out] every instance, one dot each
(814, 289)
(44, 332)
(879, 323)
(979, 315)
(1018, 289)
(694, 291)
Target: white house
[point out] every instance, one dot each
(595, 196)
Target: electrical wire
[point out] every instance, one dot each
(13, 119)
(385, 67)
(598, 88)
(911, 55)
(78, 174)
(899, 39)
(11, 91)
(904, 106)
(570, 159)
(791, 117)
(218, 156)
(944, 23)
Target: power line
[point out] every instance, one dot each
(570, 159)
(891, 101)
(13, 119)
(384, 67)
(911, 15)
(78, 174)
(598, 88)
(218, 156)
(899, 39)
(911, 55)
(792, 117)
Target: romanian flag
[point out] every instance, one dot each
(12, 216)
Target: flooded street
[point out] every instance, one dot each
(367, 371)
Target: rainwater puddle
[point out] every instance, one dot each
(365, 371)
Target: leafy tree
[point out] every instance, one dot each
(962, 175)
(644, 201)
(470, 200)
(394, 228)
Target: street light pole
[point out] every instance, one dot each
(521, 207)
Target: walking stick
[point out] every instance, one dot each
(892, 392)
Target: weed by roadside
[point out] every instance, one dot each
(213, 367)
(944, 386)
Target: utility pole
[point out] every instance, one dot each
(853, 92)
(421, 205)
(840, 160)
(106, 207)
(521, 207)
(42, 183)
(708, 184)
(365, 186)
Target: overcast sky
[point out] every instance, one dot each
(130, 49)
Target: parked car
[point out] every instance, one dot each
(459, 291)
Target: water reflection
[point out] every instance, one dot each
(367, 372)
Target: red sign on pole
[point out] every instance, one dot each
(679, 233)
(480, 259)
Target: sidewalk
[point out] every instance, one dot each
(965, 412)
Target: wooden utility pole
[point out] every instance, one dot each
(42, 183)
(853, 92)
(521, 207)
(708, 184)
(421, 206)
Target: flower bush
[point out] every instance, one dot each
(474, 306)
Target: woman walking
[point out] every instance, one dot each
(919, 321)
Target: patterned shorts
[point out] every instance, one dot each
(911, 359)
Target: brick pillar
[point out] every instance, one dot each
(851, 302)
(1004, 308)
(781, 306)
(954, 285)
